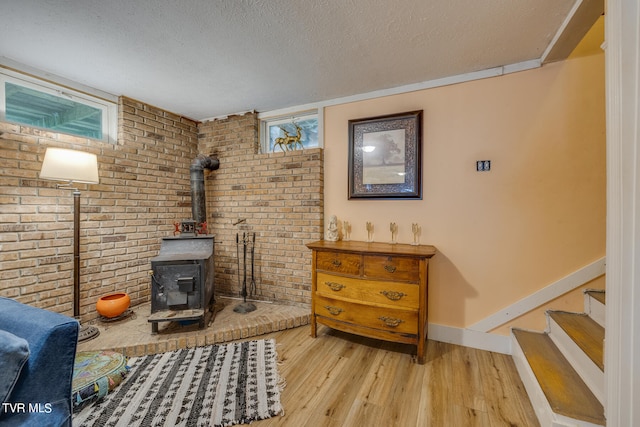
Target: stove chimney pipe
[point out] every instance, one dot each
(198, 199)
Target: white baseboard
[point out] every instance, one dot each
(544, 295)
(469, 338)
(477, 335)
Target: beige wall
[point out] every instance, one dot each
(538, 215)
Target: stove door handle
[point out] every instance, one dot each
(158, 285)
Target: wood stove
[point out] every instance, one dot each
(182, 280)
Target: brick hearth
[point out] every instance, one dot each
(132, 336)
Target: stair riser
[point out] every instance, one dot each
(586, 369)
(595, 309)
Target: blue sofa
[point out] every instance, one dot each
(37, 352)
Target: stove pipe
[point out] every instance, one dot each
(198, 199)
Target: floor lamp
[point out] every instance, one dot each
(73, 167)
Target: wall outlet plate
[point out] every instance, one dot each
(483, 165)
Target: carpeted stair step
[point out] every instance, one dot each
(556, 383)
(595, 305)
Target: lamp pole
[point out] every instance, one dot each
(86, 331)
(76, 253)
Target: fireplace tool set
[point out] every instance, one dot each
(248, 243)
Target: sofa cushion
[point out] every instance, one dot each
(14, 352)
(96, 373)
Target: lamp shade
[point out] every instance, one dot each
(61, 164)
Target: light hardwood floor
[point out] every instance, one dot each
(339, 379)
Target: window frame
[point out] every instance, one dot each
(109, 109)
(266, 122)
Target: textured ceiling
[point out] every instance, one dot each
(207, 58)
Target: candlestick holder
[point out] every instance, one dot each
(393, 227)
(415, 229)
(369, 232)
(346, 230)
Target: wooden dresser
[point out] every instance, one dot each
(378, 290)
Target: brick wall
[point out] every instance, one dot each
(143, 189)
(280, 198)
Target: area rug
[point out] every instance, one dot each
(219, 385)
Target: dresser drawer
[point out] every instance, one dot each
(385, 267)
(405, 295)
(338, 262)
(387, 319)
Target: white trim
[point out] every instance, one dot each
(321, 127)
(546, 294)
(595, 309)
(429, 84)
(468, 338)
(108, 108)
(288, 112)
(25, 70)
(521, 66)
(622, 340)
(561, 30)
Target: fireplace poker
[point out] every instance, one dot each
(238, 256)
(244, 307)
(244, 267)
(252, 289)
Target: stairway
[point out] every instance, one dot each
(562, 368)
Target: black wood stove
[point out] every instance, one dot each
(182, 280)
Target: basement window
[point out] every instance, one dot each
(293, 132)
(39, 104)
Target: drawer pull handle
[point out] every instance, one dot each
(333, 310)
(390, 268)
(393, 295)
(391, 321)
(334, 286)
(336, 263)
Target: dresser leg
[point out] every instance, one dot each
(314, 326)
(421, 351)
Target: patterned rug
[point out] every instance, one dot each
(219, 385)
